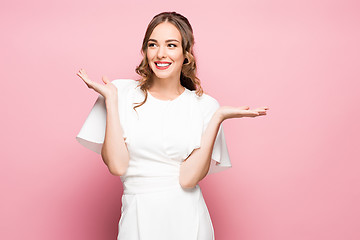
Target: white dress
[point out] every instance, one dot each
(159, 135)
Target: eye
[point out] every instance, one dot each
(172, 45)
(151, 45)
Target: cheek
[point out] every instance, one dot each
(150, 57)
(178, 56)
(150, 54)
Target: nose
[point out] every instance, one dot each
(161, 52)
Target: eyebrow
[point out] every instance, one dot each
(169, 40)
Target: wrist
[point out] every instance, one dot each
(111, 100)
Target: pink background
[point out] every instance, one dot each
(295, 171)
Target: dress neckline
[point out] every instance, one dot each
(166, 101)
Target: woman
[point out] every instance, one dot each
(162, 135)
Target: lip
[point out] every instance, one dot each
(162, 68)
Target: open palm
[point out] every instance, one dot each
(238, 112)
(107, 90)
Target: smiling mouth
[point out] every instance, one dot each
(162, 65)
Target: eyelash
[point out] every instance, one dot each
(151, 44)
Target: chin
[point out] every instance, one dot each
(162, 76)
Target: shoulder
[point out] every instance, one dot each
(206, 105)
(207, 102)
(124, 83)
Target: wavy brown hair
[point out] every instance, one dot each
(188, 78)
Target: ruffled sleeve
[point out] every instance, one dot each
(220, 159)
(92, 133)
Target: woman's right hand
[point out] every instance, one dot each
(108, 91)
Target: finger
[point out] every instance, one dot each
(80, 75)
(105, 80)
(262, 109)
(261, 113)
(244, 107)
(253, 113)
(85, 79)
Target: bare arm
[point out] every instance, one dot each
(197, 165)
(114, 151)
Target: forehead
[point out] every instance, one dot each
(164, 31)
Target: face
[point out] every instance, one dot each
(164, 51)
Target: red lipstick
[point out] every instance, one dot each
(162, 65)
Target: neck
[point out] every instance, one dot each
(167, 86)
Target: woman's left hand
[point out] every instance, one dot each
(226, 112)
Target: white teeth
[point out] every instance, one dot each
(162, 64)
